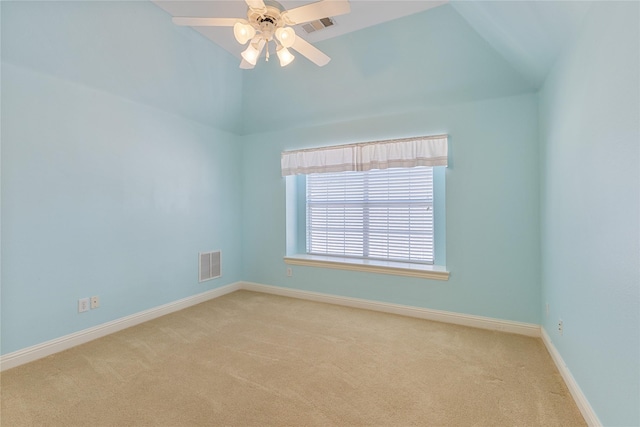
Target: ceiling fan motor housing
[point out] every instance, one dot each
(267, 20)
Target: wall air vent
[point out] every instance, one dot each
(209, 264)
(317, 25)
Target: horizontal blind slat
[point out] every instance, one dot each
(379, 214)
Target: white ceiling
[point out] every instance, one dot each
(364, 13)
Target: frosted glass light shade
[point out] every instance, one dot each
(251, 54)
(243, 32)
(285, 56)
(286, 36)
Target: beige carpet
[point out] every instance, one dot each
(250, 359)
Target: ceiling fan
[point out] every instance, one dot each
(268, 21)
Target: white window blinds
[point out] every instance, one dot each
(397, 153)
(380, 214)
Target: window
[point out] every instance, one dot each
(379, 214)
(376, 207)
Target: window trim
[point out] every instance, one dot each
(423, 271)
(295, 236)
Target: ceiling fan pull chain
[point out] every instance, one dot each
(267, 47)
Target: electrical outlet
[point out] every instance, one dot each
(95, 302)
(83, 305)
(289, 272)
(560, 327)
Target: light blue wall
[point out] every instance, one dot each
(590, 136)
(108, 188)
(426, 74)
(491, 209)
(121, 160)
(127, 48)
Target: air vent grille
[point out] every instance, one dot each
(209, 265)
(317, 25)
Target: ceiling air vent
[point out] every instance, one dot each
(319, 24)
(209, 265)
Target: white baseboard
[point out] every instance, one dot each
(47, 348)
(29, 354)
(39, 351)
(581, 400)
(520, 328)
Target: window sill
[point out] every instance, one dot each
(423, 271)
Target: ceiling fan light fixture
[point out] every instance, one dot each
(251, 54)
(285, 56)
(286, 36)
(268, 21)
(243, 32)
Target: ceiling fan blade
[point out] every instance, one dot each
(318, 10)
(246, 65)
(205, 22)
(312, 53)
(255, 4)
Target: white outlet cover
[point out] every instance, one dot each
(83, 305)
(95, 302)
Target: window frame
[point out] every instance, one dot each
(295, 223)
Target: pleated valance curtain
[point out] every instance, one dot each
(397, 153)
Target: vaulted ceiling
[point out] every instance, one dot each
(422, 55)
(529, 35)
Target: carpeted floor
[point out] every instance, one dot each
(250, 359)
